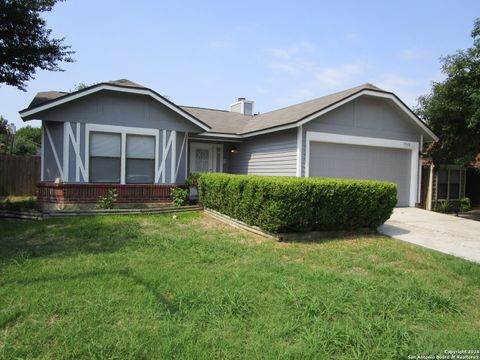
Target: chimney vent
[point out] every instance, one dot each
(242, 106)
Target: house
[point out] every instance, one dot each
(441, 183)
(122, 135)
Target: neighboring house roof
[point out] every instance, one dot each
(45, 96)
(232, 124)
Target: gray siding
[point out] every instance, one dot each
(364, 116)
(270, 154)
(114, 110)
(50, 170)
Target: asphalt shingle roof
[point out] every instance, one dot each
(222, 121)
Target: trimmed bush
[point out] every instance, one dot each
(288, 204)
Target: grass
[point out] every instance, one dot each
(151, 286)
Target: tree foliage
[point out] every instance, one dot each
(452, 109)
(6, 136)
(27, 140)
(25, 42)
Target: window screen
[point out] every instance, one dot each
(105, 157)
(140, 165)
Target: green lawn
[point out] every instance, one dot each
(152, 286)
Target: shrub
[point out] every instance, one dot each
(464, 205)
(288, 204)
(179, 196)
(107, 201)
(192, 179)
(19, 203)
(444, 207)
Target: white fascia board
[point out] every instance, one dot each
(221, 135)
(405, 110)
(119, 89)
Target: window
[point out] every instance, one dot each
(454, 184)
(448, 184)
(140, 162)
(443, 184)
(105, 157)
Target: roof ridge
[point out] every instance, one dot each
(359, 87)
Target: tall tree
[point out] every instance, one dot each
(25, 43)
(452, 109)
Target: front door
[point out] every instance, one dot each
(206, 157)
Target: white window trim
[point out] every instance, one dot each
(123, 131)
(299, 150)
(42, 153)
(313, 136)
(213, 148)
(460, 178)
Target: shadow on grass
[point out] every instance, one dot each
(21, 240)
(163, 303)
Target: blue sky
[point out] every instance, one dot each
(277, 53)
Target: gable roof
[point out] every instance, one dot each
(50, 99)
(239, 125)
(231, 124)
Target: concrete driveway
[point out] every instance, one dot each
(445, 233)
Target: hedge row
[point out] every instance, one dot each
(288, 204)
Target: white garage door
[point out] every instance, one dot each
(362, 162)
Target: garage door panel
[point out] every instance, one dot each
(363, 163)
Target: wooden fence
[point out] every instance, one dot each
(19, 174)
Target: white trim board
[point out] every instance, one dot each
(313, 136)
(148, 92)
(299, 150)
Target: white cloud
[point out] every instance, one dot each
(219, 44)
(291, 51)
(279, 53)
(341, 75)
(407, 88)
(414, 54)
(352, 36)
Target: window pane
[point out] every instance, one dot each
(443, 176)
(140, 147)
(442, 191)
(454, 191)
(454, 176)
(105, 170)
(140, 171)
(105, 144)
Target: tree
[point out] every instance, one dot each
(6, 136)
(27, 140)
(452, 109)
(25, 42)
(80, 86)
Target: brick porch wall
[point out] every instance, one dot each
(48, 192)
